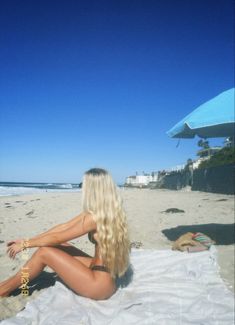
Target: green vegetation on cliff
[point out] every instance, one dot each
(224, 157)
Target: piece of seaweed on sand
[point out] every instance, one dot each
(173, 210)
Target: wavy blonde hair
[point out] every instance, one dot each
(100, 197)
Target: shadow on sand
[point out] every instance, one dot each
(44, 280)
(222, 234)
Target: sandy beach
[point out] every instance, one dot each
(28, 215)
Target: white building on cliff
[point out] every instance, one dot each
(141, 180)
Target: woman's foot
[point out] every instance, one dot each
(4, 292)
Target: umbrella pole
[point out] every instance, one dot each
(178, 143)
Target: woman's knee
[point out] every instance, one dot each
(42, 251)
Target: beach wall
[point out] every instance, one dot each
(176, 180)
(220, 179)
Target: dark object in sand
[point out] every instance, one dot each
(136, 244)
(1, 241)
(30, 213)
(8, 206)
(173, 210)
(222, 234)
(221, 200)
(18, 201)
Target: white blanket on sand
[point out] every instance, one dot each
(167, 287)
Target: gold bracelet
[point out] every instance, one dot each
(25, 244)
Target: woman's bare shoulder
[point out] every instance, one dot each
(83, 217)
(90, 219)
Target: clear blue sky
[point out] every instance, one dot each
(98, 83)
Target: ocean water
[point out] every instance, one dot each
(10, 188)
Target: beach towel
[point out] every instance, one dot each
(162, 287)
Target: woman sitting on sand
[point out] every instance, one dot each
(104, 220)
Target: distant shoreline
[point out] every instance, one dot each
(22, 188)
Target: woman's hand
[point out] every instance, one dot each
(14, 247)
(16, 241)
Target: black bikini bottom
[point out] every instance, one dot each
(100, 268)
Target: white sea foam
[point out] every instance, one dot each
(9, 191)
(68, 186)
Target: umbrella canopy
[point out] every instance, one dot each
(213, 119)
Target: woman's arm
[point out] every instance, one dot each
(76, 227)
(62, 226)
(51, 237)
(57, 228)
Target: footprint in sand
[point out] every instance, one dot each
(8, 205)
(136, 244)
(30, 213)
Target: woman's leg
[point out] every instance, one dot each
(73, 272)
(76, 252)
(34, 264)
(69, 249)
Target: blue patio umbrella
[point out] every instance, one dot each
(213, 119)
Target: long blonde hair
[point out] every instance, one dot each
(100, 197)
